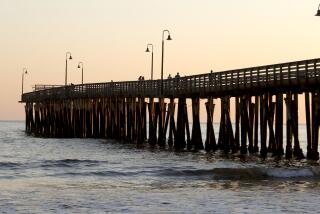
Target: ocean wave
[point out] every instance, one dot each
(185, 172)
(70, 163)
(261, 173)
(4, 165)
(251, 173)
(105, 173)
(290, 173)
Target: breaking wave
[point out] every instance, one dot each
(253, 173)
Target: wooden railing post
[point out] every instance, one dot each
(267, 76)
(281, 77)
(297, 72)
(250, 77)
(289, 73)
(274, 75)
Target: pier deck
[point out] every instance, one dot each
(120, 110)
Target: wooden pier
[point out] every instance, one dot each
(264, 98)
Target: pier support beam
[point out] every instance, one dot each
(171, 122)
(196, 140)
(270, 108)
(180, 142)
(161, 112)
(256, 124)
(263, 124)
(308, 124)
(210, 143)
(226, 137)
(152, 123)
(279, 126)
(237, 126)
(315, 126)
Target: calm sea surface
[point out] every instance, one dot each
(40, 175)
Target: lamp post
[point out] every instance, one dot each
(313, 154)
(81, 63)
(318, 11)
(67, 58)
(151, 58)
(24, 71)
(169, 38)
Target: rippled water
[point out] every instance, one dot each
(96, 176)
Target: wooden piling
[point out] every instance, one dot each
(196, 140)
(256, 124)
(186, 124)
(263, 124)
(222, 127)
(288, 101)
(237, 125)
(161, 112)
(279, 125)
(270, 109)
(210, 143)
(250, 126)
(297, 151)
(172, 128)
(308, 124)
(244, 124)
(315, 126)
(179, 141)
(152, 123)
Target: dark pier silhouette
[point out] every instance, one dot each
(122, 110)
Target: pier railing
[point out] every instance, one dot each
(299, 75)
(39, 87)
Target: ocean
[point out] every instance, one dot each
(40, 175)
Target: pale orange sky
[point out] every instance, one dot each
(110, 37)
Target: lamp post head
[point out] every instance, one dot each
(70, 57)
(169, 37)
(318, 11)
(80, 63)
(149, 45)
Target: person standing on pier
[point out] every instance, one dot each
(177, 80)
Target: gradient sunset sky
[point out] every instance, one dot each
(110, 38)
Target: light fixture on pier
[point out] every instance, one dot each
(81, 63)
(318, 11)
(168, 38)
(24, 71)
(67, 58)
(151, 58)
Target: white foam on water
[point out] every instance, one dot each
(289, 173)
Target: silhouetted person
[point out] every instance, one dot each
(177, 80)
(211, 78)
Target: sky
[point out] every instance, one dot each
(110, 38)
